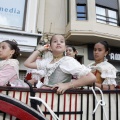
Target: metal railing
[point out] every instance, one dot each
(74, 104)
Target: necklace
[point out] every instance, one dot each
(56, 58)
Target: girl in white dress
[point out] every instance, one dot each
(103, 70)
(60, 69)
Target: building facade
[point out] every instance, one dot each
(82, 22)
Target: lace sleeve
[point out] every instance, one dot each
(72, 66)
(41, 64)
(109, 81)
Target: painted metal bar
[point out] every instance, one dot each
(81, 106)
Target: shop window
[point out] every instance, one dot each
(107, 16)
(81, 12)
(12, 14)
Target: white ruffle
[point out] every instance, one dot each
(107, 70)
(41, 64)
(72, 66)
(67, 64)
(37, 74)
(108, 74)
(109, 81)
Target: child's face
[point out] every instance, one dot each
(99, 52)
(58, 44)
(5, 51)
(70, 52)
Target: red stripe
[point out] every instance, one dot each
(27, 97)
(46, 99)
(13, 94)
(20, 97)
(64, 106)
(70, 106)
(75, 105)
(39, 95)
(52, 104)
(52, 101)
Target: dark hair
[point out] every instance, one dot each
(53, 36)
(74, 50)
(105, 45)
(13, 46)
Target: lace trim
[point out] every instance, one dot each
(106, 69)
(108, 74)
(109, 82)
(51, 68)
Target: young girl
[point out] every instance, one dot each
(71, 51)
(103, 70)
(59, 70)
(9, 65)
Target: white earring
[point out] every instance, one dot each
(105, 59)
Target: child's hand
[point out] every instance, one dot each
(47, 46)
(43, 48)
(61, 87)
(32, 81)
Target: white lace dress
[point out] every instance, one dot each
(62, 70)
(107, 70)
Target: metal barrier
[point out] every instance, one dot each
(75, 104)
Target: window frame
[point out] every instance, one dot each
(81, 13)
(107, 17)
(23, 23)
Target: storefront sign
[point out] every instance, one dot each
(12, 13)
(114, 56)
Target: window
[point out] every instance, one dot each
(12, 14)
(107, 16)
(81, 12)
